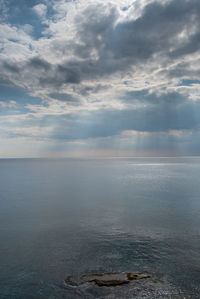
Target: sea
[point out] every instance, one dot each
(69, 217)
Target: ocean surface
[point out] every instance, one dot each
(80, 216)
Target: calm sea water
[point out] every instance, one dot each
(72, 216)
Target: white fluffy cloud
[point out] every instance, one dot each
(40, 10)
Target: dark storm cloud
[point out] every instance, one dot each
(191, 46)
(11, 67)
(106, 48)
(61, 74)
(70, 73)
(94, 29)
(157, 30)
(133, 42)
(129, 43)
(38, 63)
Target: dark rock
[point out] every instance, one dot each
(107, 279)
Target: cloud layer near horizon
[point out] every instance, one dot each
(99, 76)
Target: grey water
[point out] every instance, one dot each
(79, 216)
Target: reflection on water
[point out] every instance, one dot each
(70, 217)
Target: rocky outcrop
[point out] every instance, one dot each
(107, 279)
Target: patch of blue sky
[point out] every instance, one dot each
(22, 13)
(188, 82)
(9, 111)
(18, 95)
(125, 8)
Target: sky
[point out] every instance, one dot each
(99, 78)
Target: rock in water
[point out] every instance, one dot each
(107, 279)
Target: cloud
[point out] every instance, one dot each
(40, 10)
(103, 44)
(109, 67)
(9, 104)
(4, 9)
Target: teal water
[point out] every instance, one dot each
(76, 216)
